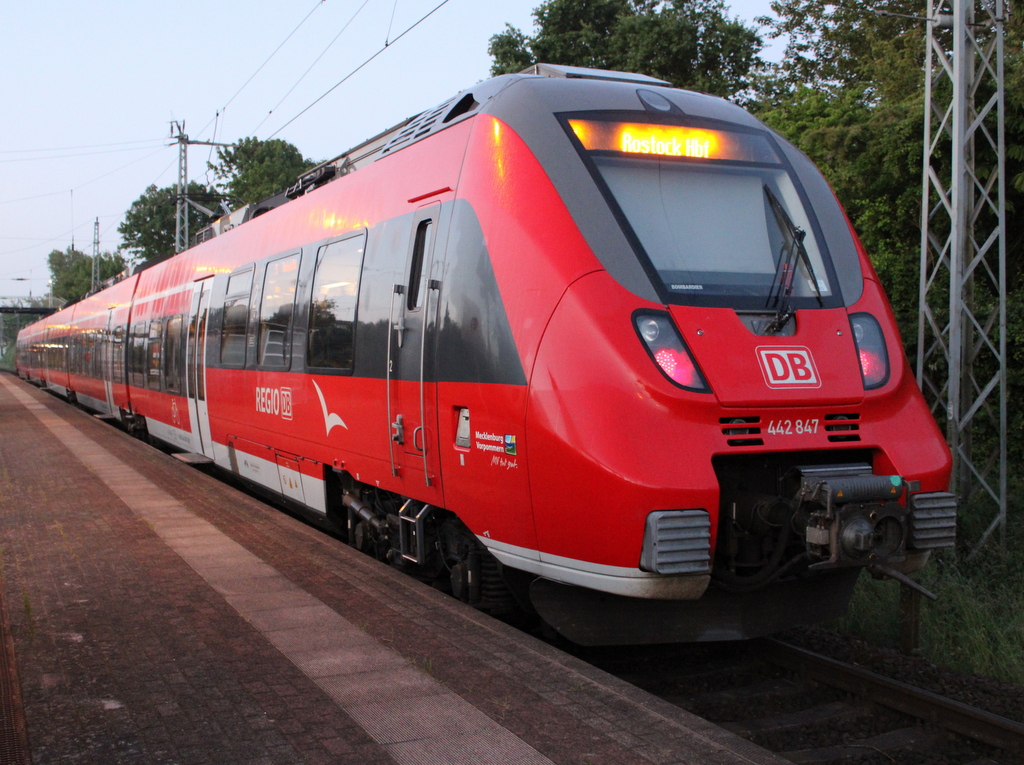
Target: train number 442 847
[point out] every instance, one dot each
(790, 427)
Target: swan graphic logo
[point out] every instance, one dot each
(330, 418)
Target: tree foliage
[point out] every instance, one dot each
(71, 271)
(249, 171)
(850, 93)
(690, 43)
(252, 170)
(148, 228)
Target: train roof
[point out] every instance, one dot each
(562, 88)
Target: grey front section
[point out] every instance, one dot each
(469, 330)
(474, 338)
(530, 105)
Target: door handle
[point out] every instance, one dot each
(398, 430)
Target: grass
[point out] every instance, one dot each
(26, 604)
(977, 624)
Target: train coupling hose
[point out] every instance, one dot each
(362, 511)
(879, 570)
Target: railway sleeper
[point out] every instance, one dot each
(889, 743)
(830, 712)
(768, 688)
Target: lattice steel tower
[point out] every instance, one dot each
(961, 363)
(181, 237)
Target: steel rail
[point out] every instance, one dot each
(930, 707)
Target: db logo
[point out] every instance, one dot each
(275, 401)
(788, 367)
(286, 403)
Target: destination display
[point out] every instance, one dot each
(671, 141)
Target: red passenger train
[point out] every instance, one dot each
(573, 341)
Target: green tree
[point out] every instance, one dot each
(71, 271)
(252, 170)
(849, 93)
(149, 224)
(690, 43)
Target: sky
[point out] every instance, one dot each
(89, 91)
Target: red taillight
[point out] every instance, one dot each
(871, 366)
(874, 360)
(679, 367)
(668, 351)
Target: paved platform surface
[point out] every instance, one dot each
(159, 615)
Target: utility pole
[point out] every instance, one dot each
(961, 341)
(181, 218)
(95, 256)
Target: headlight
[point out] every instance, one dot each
(669, 352)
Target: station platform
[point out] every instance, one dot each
(155, 614)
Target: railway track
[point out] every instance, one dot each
(930, 708)
(782, 697)
(810, 708)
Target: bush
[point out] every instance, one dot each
(976, 625)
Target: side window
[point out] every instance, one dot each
(276, 311)
(332, 312)
(236, 313)
(138, 355)
(89, 348)
(74, 345)
(172, 355)
(154, 346)
(421, 246)
(101, 348)
(118, 350)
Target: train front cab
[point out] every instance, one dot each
(720, 396)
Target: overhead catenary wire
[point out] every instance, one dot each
(311, 12)
(209, 157)
(118, 169)
(310, 68)
(66, 151)
(391, 23)
(84, 146)
(71, 156)
(56, 238)
(258, 70)
(30, 198)
(86, 183)
(84, 150)
(383, 48)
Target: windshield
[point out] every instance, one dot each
(715, 211)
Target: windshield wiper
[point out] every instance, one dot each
(791, 255)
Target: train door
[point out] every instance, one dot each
(107, 362)
(195, 382)
(412, 391)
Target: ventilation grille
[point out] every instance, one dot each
(842, 427)
(932, 520)
(741, 431)
(677, 542)
(419, 127)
